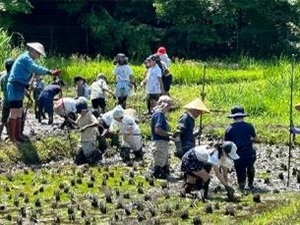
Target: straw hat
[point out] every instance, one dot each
(38, 47)
(132, 113)
(297, 107)
(196, 104)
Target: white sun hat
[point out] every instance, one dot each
(203, 154)
(38, 47)
(230, 148)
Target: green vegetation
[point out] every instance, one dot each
(103, 195)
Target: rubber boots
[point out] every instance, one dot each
(12, 125)
(125, 154)
(138, 154)
(50, 120)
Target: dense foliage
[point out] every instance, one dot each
(189, 29)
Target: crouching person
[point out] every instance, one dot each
(66, 107)
(198, 162)
(129, 133)
(87, 124)
(160, 137)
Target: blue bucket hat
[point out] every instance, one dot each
(237, 111)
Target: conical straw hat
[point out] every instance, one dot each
(196, 104)
(38, 47)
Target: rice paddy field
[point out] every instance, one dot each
(58, 192)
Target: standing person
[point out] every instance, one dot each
(123, 74)
(3, 84)
(45, 101)
(20, 76)
(167, 80)
(129, 132)
(160, 137)
(198, 162)
(242, 134)
(82, 89)
(38, 85)
(162, 52)
(98, 93)
(154, 84)
(186, 125)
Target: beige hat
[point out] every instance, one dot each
(38, 47)
(132, 113)
(196, 104)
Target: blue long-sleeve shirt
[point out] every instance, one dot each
(23, 69)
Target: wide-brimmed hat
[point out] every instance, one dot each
(237, 111)
(37, 47)
(132, 113)
(196, 104)
(161, 51)
(230, 148)
(203, 154)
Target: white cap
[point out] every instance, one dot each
(203, 154)
(38, 47)
(230, 148)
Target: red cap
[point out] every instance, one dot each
(161, 51)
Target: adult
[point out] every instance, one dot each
(160, 137)
(200, 160)
(154, 84)
(19, 78)
(162, 52)
(186, 125)
(242, 134)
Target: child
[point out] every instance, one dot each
(87, 123)
(98, 90)
(167, 80)
(242, 134)
(129, 132)
(162, 52)
(45, 101)
(198, 162)
(160, 137)
(38, 86)
(82, 89)
(123, 74)
(66, 107)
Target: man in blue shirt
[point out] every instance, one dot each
(186, 125)
(160, 137)
(19, 78)
(242, 134)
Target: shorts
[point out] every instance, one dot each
(5, 113)
(153, 97)
(98, 102)
(16, 104)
